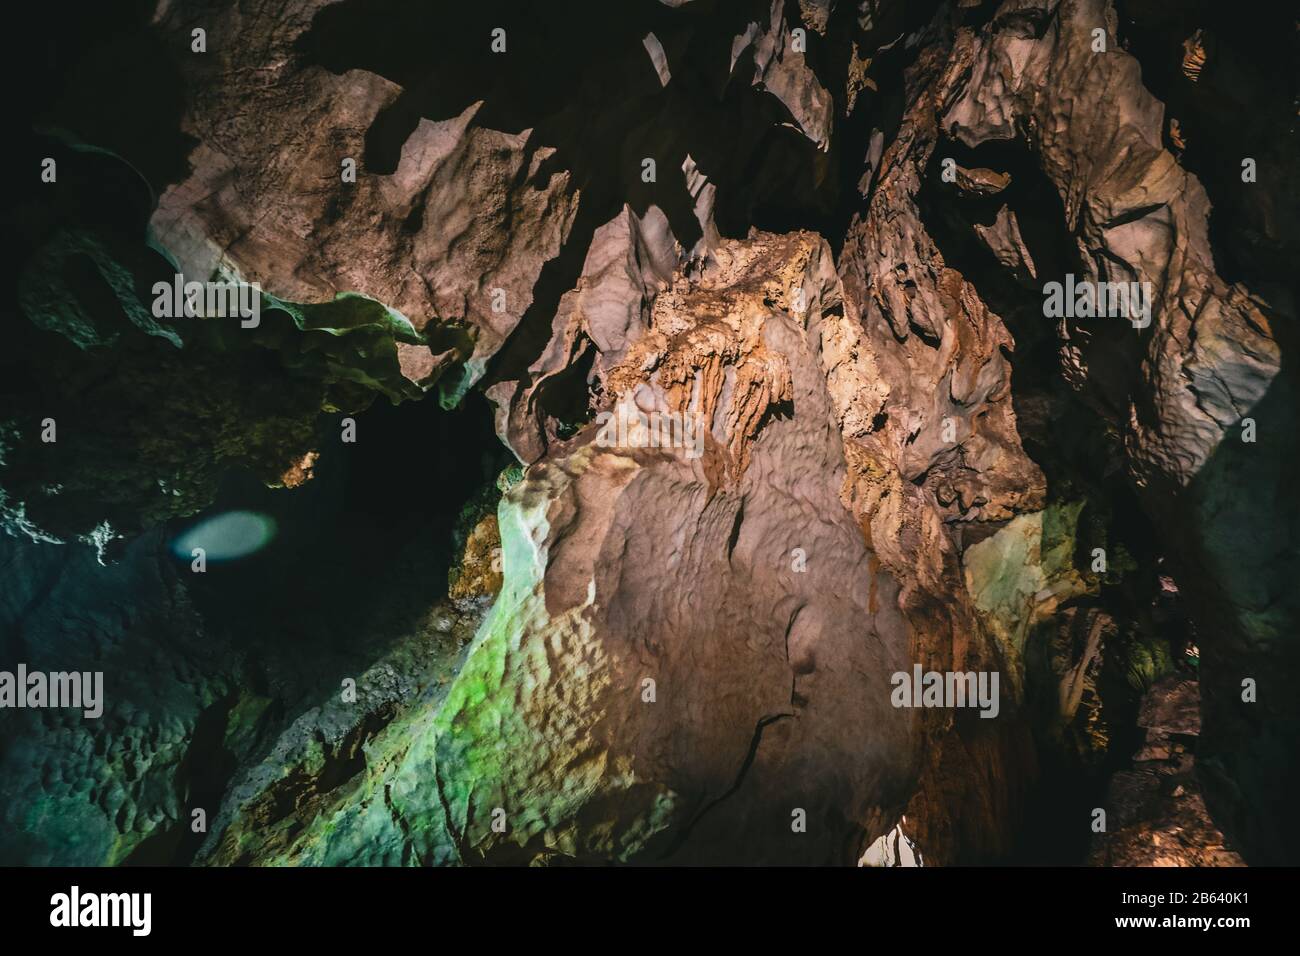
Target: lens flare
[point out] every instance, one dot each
(227, 537)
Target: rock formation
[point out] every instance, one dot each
(639, 392)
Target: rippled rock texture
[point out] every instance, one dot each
(638, 389)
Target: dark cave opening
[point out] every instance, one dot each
(362, 549)
(1227, 78)
(63, 89)
(565, 401)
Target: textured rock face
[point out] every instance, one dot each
(756, 295)
(688, 716)
(263, 200)
(110, 790)
(780, 68)
(950, 421)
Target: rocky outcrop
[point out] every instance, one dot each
(779, 67)
(684, 711)
(760, 296)
(1187, 390)
(284, 205)
(604, 715)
